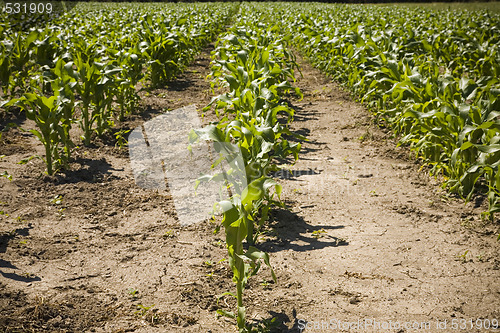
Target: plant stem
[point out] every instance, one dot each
(240, 283)
(250, 231)
(241, 314)
(48, 156)
(86, 125)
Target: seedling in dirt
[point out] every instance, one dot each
(148, 313)
(463, 257)
(60, 211)
(121, 142)
(169, 234)
(56, 200)
(26, 160)
(5, 174)
(23, 242)
(265, 326)
(53, 116)
(373, 193)
(209, 263)
(142, 310)
(258, 133)
(318, 233)
(133, 292)
(265, 284)
(20, 219)
(219, 243)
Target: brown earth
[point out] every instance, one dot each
(369, 236)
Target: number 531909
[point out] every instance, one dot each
(27, 8)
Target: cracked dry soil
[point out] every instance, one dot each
(368, 235)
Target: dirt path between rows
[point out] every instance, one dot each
(368, 236)
(394, 244)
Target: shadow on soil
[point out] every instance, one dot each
(294, 174)
(4, 242)
(91, 171)
(288, 227)
(276, 323)
(12, 118)
(308, 146)
(180, 84)
(300, 115)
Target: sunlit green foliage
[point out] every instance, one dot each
(433, 76)
(253, 63)
(94, 58)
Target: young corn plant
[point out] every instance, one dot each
(254, 64)
(96, 87)
(49, 115)
(54, 114)
(239, 213)
(17, 63)
(126, 95)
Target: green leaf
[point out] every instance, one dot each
(210, 132)
(6, 175)
(226, 313)
(254, 191)
(26, 160)
(488, 149)
(466, 145)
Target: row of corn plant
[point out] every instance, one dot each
(430, 75)
(104, 55)
(251, 61)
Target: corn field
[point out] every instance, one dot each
(431, 77)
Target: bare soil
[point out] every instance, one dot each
(369, 235)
